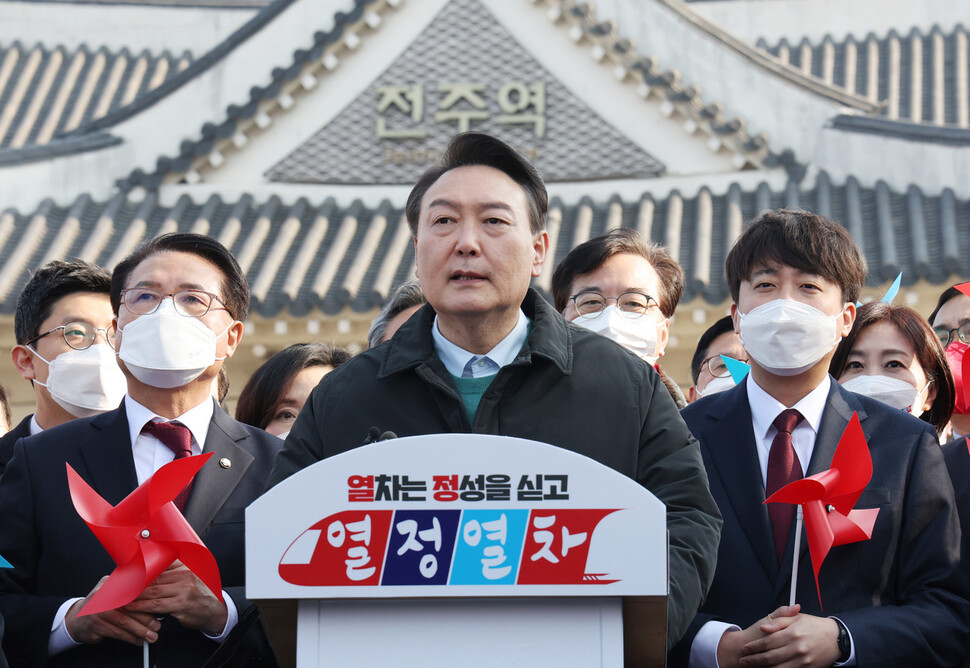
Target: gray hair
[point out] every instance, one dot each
(405, 296)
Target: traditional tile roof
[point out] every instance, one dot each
(305, 256)
(604, 40)
(300, 74)
(235, 4)
(49, 92)
(921, 77)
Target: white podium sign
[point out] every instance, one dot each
(500, 527)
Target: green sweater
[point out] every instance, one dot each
(471, 391)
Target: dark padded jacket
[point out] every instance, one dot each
(567, 387)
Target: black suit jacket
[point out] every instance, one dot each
(899, 594)
(56, 557)
(957, 456)
(8, 440)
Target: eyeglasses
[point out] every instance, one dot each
(79, 335)
(634, 304)
(190, 303)
(946, 335)
(717, 367)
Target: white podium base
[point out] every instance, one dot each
(460, 632)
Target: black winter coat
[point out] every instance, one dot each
(568, 387)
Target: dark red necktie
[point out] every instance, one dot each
(178, 439)
(783, 468)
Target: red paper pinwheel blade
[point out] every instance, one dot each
(964, 288)
(172, 478)
(168, 526)
(99, 515)
(116, 590)
(854, 464)
(88, 503)
(798, 492)
(858, 526)
(200, 561)
(130, 579)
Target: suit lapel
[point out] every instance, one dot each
(730, 443)
(215, 482)
(107, 454)
(839, 406)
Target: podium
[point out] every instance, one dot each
(460, 549)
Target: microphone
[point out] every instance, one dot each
(374, 434)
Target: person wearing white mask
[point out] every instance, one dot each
(896, 599)
(892, 355)
(708, 370)
(65, 347)
(626, 289)
(179, 302)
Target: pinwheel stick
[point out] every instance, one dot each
(799, 516)
(144, 653)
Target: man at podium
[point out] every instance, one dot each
(489, 355)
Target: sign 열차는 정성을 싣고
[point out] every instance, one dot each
(456, 515)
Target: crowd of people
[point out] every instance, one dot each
(127, 370)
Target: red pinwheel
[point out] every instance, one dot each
(144, 534)
(827, 498)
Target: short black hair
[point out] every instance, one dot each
(590, 255)
(265, 388)
(722, 326)
(406, 295)
(235, 288)
(469, 149)
(947, 295)
(49, 283)
(800, 239)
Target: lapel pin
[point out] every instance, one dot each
(225, 463)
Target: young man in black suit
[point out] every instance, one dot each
(179, 302)
(64, 314)
(894, 600)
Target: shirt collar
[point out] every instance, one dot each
(765, 408)
(196, 419)
(35, 427)
(455, 358)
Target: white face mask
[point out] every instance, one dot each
(716, 385)
(165, 349)
(893, 391)
(283, 436)
(638, 335)
(85, 382)
(786, 337)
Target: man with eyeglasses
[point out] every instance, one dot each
(65, 348)
(951, 322)
(708, 370)
(626, 289)
(179, 302)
